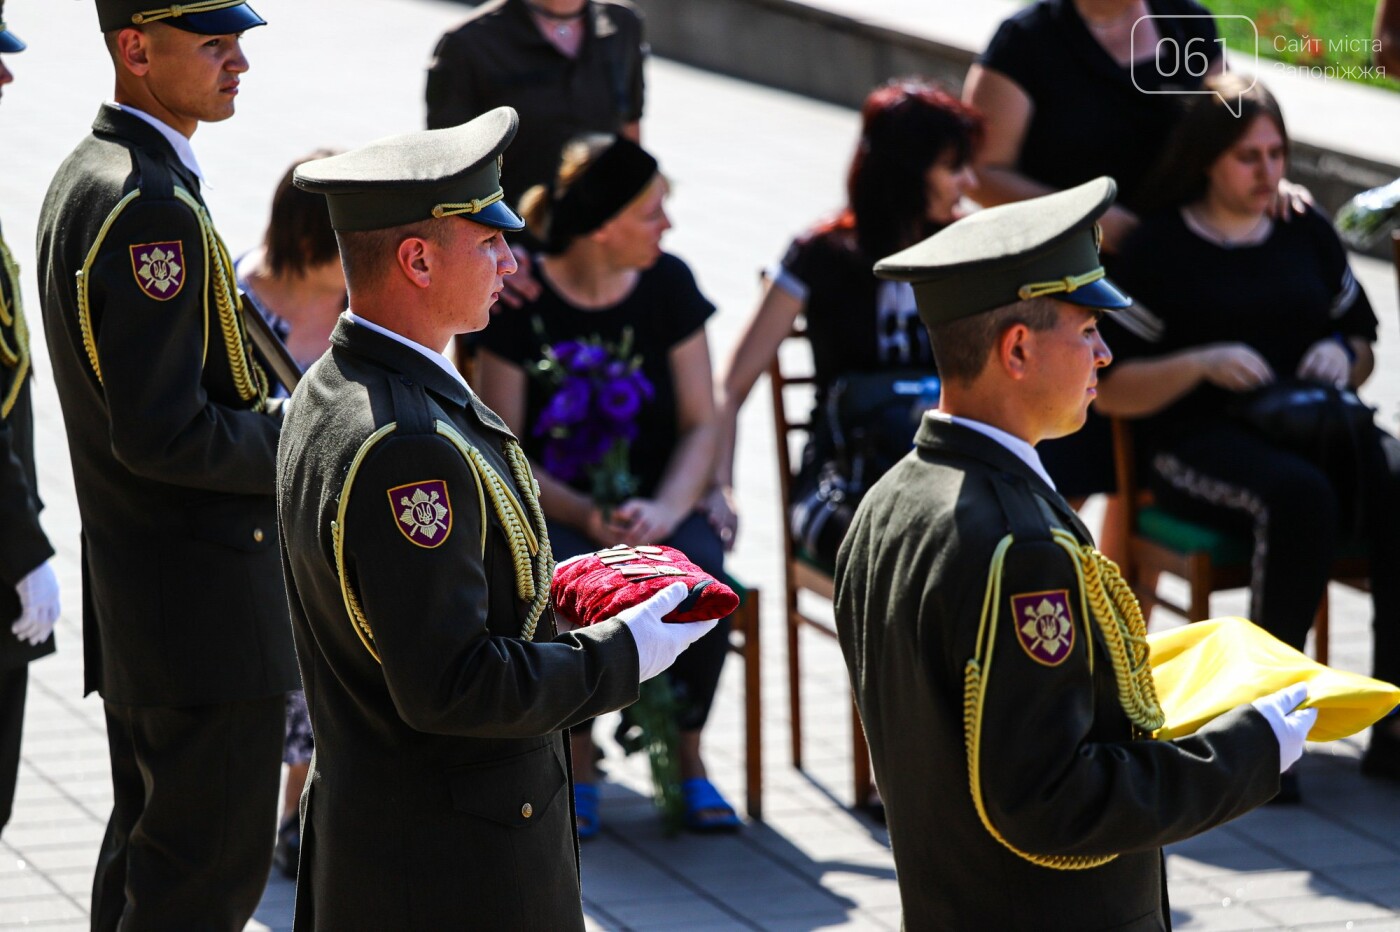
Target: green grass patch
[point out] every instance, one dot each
(1333, 34)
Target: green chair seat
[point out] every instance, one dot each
(1168, 530)
(1175, 533)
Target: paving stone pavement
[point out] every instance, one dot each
(751, 166)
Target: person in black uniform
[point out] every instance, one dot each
(999, 661)
(173, 443)
(419, 570)
(568, 67)
(29, 599)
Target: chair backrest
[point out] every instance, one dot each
(792, 423)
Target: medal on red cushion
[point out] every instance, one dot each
(597, 586)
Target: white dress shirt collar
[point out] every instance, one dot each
(1023, 450)
(178, 141)
(439, 360)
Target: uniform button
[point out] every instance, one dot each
(527, 810)
(258, 535)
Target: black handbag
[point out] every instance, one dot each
(868, 423)
(1330, 426)
(1306, 417)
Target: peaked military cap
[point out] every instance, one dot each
(1046, 246)
(207, 17)
(9, 42)
(430, 174)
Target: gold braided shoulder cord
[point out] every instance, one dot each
(544, 555)
(523, 540)
(347, 594)
(249, 380)
(84, 309)
(1118, 616)
(529, 546)
(16, 357)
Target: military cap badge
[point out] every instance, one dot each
(597, 586)
(422, 512)
(159, 269)
(1044, 625)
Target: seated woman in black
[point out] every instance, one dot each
(1230, 303)
(611, 301)
(906, 180)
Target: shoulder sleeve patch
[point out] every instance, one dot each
(1044, 625)
(159, 269)
(422, 512)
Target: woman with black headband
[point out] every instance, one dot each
(605, 377)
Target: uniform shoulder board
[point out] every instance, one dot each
(154, 178)
(410, 403)
(1025, 519)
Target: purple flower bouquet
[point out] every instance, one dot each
(590, 420)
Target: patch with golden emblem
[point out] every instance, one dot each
(1044, 625)
(159, 269)
(422, 512)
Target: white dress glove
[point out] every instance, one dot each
(659, 643)
(1290, 723)
(38, 603)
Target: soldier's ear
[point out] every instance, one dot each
(1011, 350)
(413, 263)
(131, 50)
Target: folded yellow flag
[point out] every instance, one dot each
(1204, 669)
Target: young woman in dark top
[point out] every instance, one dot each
(1231, 301)
(604, 277)
(906, 179)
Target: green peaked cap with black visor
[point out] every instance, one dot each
(206, 17)
(1043, 247)
(426, 175)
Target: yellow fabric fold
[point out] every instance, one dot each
(1204, 669)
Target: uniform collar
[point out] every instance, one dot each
(179, 142)
(144, 130)
(942, 434)
(366, 338)
(1023, 450)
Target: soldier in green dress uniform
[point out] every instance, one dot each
(29, 602)
(173, 443)
(999, 661)
(419, 569)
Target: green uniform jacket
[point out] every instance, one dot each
(439, 793)
(1062, 769)
(23, 546)
(173, 457)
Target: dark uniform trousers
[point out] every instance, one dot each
(418, 574)
(927, 581)
(174, 448)
(23, 546)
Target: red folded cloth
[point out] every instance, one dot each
(597, 586)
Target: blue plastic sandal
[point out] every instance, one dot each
(706, 812)
(586, 810)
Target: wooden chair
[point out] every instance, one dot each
(744, 641)
(1208, 560)
(802, 574)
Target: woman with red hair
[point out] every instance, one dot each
(906, 180)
